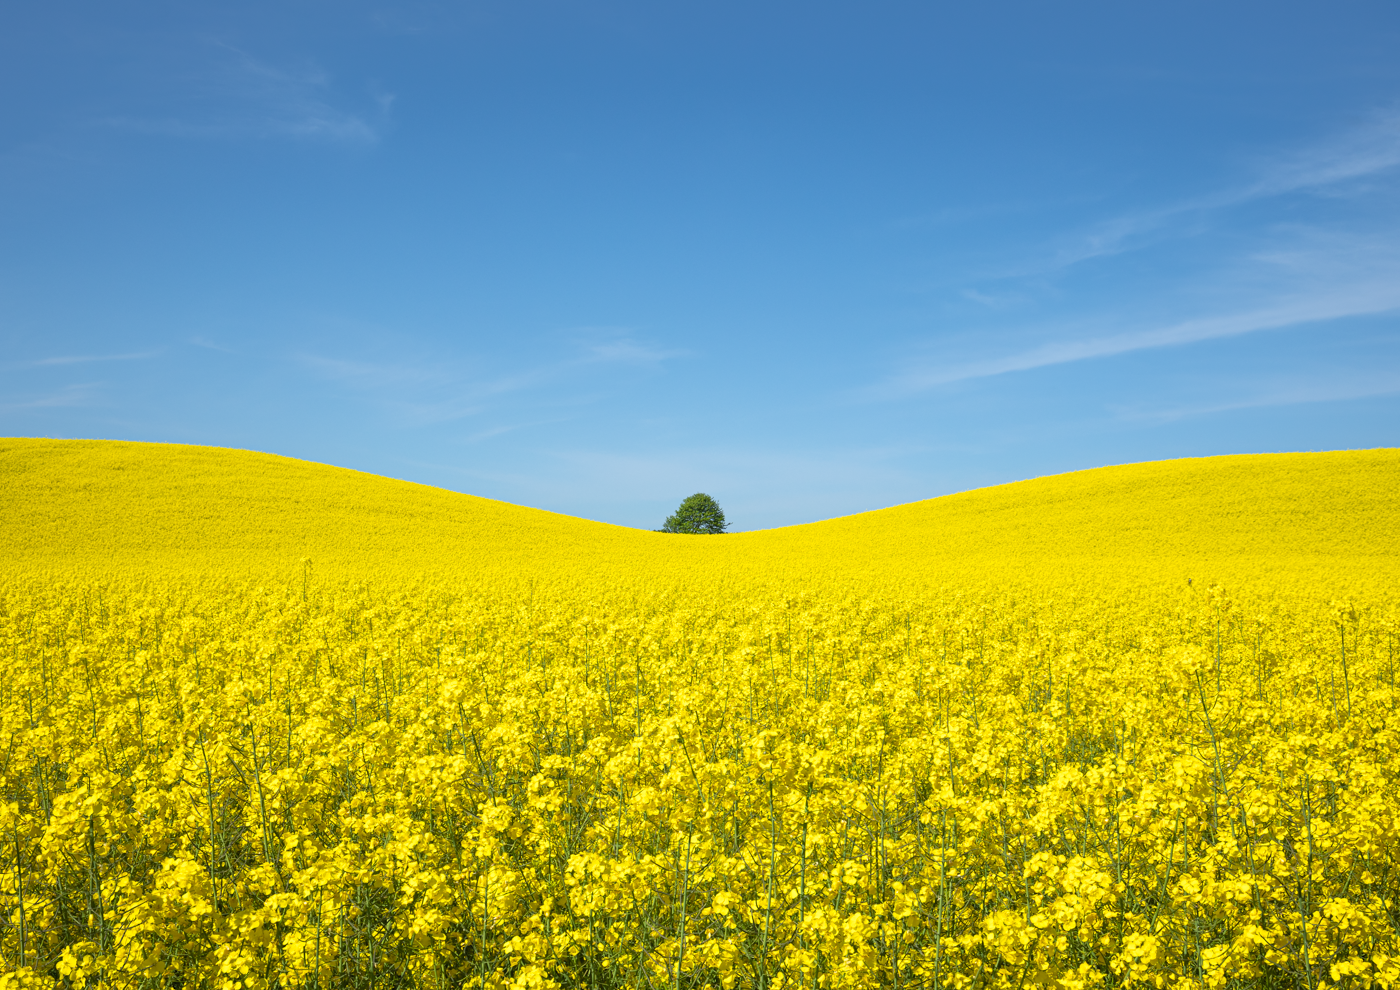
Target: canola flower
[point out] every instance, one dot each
(653, 766)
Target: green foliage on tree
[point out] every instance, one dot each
(697, 514)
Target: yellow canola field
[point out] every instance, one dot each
(272, 724)
(164, 509)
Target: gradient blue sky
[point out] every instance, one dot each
(809, 258)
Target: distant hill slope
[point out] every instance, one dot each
(1237, 517)
(83, 504)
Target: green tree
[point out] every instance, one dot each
(697, 514)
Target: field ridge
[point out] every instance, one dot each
(86, 503)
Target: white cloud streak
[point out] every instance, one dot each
(86, 359)
(1366, 387)
(209, 345)
(67, 359)
(1378, 297)
(245, 98)
(68, 397)
(1332, 278)
(1364, 151)
(625, 351)
(427, 393)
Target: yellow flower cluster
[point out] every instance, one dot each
(678, 761)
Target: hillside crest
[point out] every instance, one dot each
(110, 504)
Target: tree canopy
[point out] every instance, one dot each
(697, 514)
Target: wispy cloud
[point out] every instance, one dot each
(67, 397)
(496, 431)
(1366, 150)
(624, 350)
(1291, 276)
(68, 359)
(480, 436)
(1300, 393)
(374, 374)
(209, 345)
(243, 97)
(428, 392)
(986, 299)
(1353, 300)
(1363, 151)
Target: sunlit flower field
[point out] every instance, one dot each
(265, 723)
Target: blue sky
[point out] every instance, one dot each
(809, 258)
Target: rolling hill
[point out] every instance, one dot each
(85, 504)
